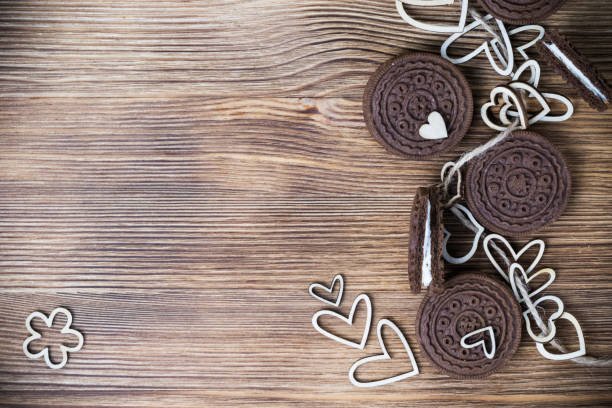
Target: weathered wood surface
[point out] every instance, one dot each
(178, 173)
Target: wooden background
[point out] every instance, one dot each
(176, 173)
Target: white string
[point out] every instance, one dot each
(488, 28)
(524, 290)
(467, 156)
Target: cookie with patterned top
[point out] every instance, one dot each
(522, 11)
(471, 328)
(519, 185)
(418, 105)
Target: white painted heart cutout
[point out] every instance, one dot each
(510, 99)
(552, 330)
(457, 210)
(488, 353)
(516, 268)
(349, 320)
(566, 356)
(498, 239)
(435, 128)
(337, 278)
(504, 69)
(436, 28)
(384, 356)
(534, 80)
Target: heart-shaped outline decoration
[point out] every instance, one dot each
(567, 356)
(435, 128)
(489, 354)
(515, 256)
(348, 320)
(532, 93)
(34, 335)
(515, 266)
(460, 260)
(436, 28)
(482, 47)
(330, 290)
(534, 68)
(552, 329)
(522, 48)
(384, 356)
(507, 95)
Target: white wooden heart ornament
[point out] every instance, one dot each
(435, 128)
(566, 356)
(552, 330)
(510, 99)
(337, 278)
(498, 239)
(457, 209)
(488, 353)
(436, 28)
(384, 356)
(349, 320)
(531, 92)
(521, 49)
(504, 69)
(516, 269)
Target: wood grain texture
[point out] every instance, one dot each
(177, 173)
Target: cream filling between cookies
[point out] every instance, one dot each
(575, 71)
(426, 277)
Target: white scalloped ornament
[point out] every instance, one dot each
(49, 322)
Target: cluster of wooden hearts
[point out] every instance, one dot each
(519, 279)
(511, 93)
(467, 341)
(365, 299)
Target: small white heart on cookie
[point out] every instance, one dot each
(488, 353)
(435, 128)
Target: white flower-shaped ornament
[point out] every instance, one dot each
(49, 322)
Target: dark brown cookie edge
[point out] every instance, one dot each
(371, 87)
(520, 20)
(493, 227)
(581, 62)
(516, 311)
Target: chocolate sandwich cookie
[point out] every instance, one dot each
(520, 12)
(519, 185)
(471, 309)
(564, 59)
(425, 264)
(418, 105)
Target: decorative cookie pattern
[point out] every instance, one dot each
(469, 302)
(519, 185)
(404, 92)
(521, 12)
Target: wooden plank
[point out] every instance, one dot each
(178, 173)
(230, 48)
